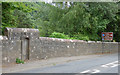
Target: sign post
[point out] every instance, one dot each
(106, 36)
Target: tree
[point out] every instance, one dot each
(16, 14)
(84, 21)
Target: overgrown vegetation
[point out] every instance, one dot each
(59, 35)
(18, 61)
(83, 21)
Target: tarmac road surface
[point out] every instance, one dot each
(103, 64)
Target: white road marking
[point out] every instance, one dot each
(91, 71)
(113, 64)
(104, 66)
(86, 71)
(95, 71)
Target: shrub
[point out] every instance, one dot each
(80, 37)
(59, 35)
(76, 36)
(18, 61)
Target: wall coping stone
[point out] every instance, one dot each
(59, 39)
(70, 40)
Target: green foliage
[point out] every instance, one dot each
(83, 21)
(77, 36)
(80, 37)
(59, 35)
(86, 37)
(18, 61)
(16, 14)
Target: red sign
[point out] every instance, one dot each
(107, 35)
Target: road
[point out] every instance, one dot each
(102, 64)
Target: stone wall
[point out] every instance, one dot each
(44, 47)
(16, 43)
(11, 49)
(0, 55)
(0, 46)
(52, 47)
(25, 44)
